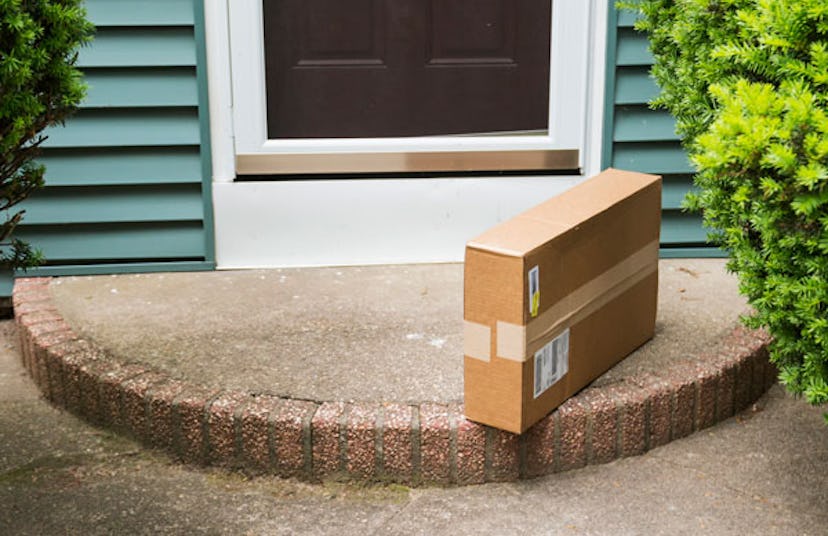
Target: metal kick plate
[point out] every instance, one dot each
(404, 162)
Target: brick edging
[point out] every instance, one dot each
(428, 443)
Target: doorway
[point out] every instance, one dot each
(397, 68)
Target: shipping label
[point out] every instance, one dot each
(551, 362)
(534, 291)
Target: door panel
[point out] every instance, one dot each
(336, 33)
(378, 68)
(489, 35)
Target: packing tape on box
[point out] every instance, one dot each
(477, 340)
(518, 343)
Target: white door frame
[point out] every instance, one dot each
(257, 224)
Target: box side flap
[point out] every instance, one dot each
(591, 197)
(531, 229)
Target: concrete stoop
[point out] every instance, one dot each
(425, 443)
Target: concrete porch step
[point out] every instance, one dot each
(356, 373)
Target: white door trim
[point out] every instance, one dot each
(238, 25)
(278, 223)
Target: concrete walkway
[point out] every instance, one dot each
(356, 373)
(760, 472)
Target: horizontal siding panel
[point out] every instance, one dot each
(138, 165)
(141, 87)
(632, 48)
(140, 47)
(634, 85)
(640, 123)
(113, 204)
(119, 268)
(680, 252)
(681, 228)
(674, 190)
(660, 158)
(7, 283)
(124, 128)
(147, 241)
(626, 19)
(140, 12)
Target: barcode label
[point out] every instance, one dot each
(551, 363)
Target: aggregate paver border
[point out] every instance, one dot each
(428, 443)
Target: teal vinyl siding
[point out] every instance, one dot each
(125, 127)
(132, 241)
(123, 165)
(140, 47)
(128, 177)
(155, 13)
(641, 139)
(632, 84)
(137, 88)
(636, 123)
(105, 204)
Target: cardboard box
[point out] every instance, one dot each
(557, 295)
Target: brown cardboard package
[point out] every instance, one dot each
(557, 295)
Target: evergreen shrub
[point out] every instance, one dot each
(39, 87)
(747, 81)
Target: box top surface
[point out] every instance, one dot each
(534, 227)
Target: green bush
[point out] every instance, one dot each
(747, 81)
(39, 87)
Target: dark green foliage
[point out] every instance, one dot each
(748, 83)
(39, 87)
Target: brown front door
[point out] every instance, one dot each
(377, 68)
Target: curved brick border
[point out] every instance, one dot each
(428, 443)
